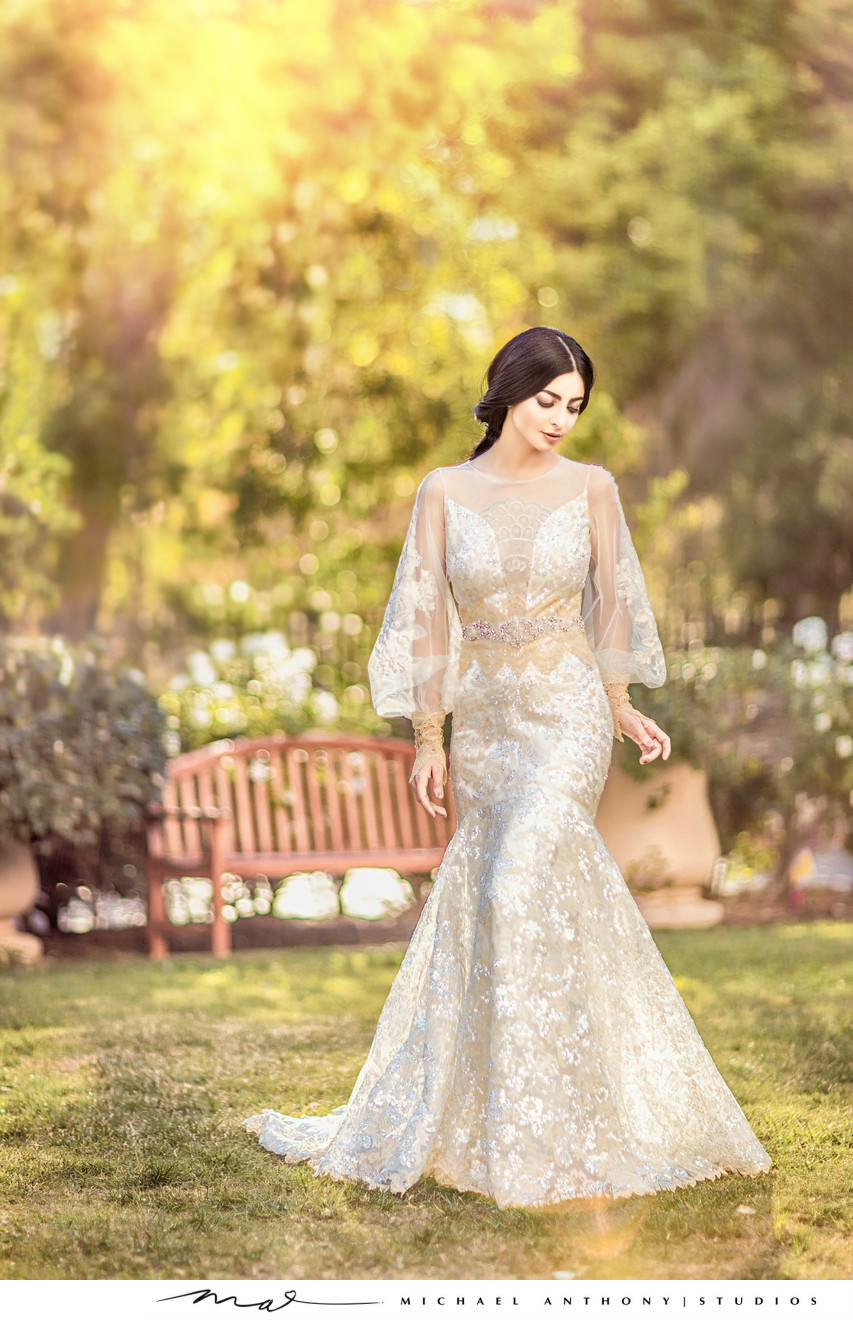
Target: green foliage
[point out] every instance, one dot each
(80, 744)
(34, 510)
(247, 297)
(771, 726)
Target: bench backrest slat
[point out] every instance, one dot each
(388, 823)
(187, 800)
(367, 780)
(244, 823)
(260, 772)
(225, 801)
(173, 835)
(349, 789)
(404, 803)
(317, 812)
(295, 759)
(333, 799)
(206, 793)
(281, 816)
(423, 834)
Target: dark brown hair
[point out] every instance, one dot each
(523, 367)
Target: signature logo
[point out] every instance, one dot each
(263, 1304)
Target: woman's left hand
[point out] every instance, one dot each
(650, 738)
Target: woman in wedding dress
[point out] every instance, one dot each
(533, 1047)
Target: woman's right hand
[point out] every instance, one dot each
(432, 774)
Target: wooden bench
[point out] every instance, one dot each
(277, 805)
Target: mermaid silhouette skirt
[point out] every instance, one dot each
(533, 1047)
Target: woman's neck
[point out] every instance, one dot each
(514, 467)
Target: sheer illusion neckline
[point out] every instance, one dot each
(518, 481)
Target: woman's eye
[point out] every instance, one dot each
(544, 403)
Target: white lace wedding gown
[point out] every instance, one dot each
(533, 1047)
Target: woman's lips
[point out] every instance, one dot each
(549, 436)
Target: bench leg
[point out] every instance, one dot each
(158, 943)
(417, 883)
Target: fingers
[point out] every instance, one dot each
(420, 785)
(662, 739)
(438, 790)
(654, 743)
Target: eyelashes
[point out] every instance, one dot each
(549, 403)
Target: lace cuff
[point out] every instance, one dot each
(619, 701)
(429, 740)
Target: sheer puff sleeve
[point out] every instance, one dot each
(414, 666)
(619, 620)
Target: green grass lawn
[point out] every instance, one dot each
(123, 1085)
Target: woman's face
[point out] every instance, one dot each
(545, 418)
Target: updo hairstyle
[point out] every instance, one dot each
(524, 366)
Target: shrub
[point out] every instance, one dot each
(771, 727)
(81, 744)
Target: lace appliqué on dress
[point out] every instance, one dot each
(533, 1047)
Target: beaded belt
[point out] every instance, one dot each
(519, 631)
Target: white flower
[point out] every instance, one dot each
(272, 644)
(325, 706)
(298, 688)
(275, 644)
(222, 650)
(239, 591)
(252, 643)
(171, 743)
(842, 647)
(201, 669)
(304, 659)
(759, 659)
(844, 745)
(811, 634)
(819, 672)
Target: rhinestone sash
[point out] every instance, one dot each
(518, 631)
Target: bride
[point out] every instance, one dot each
(533, 1047)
